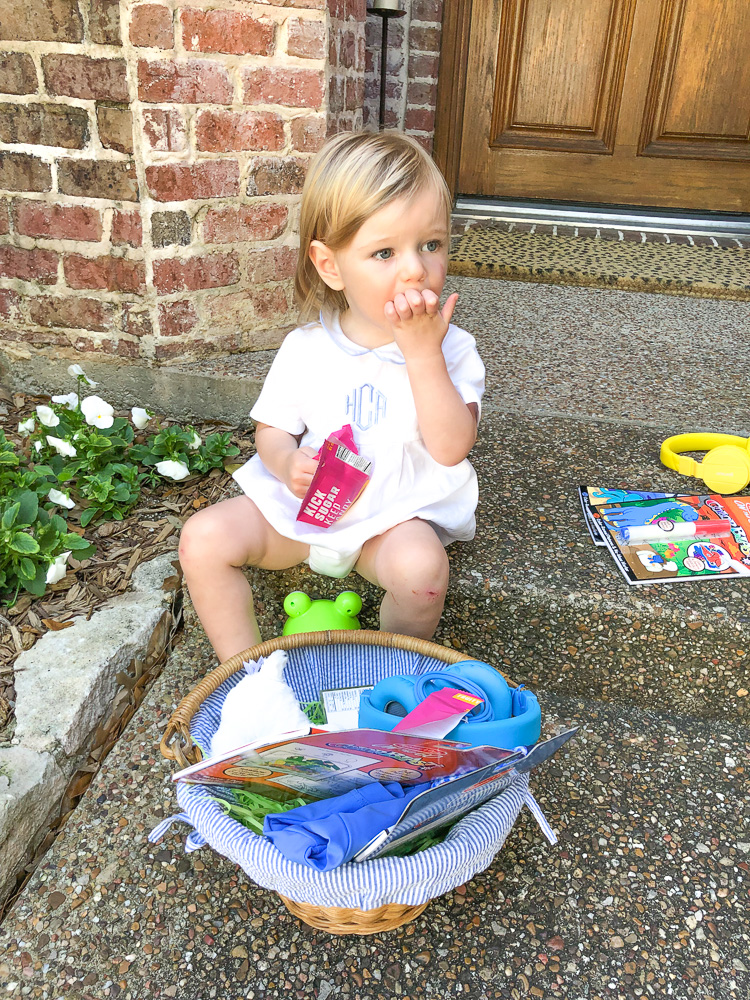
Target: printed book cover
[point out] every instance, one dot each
(676, 537)
(323, 764)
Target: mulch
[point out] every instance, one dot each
(151, 528)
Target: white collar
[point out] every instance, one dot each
(332, 326)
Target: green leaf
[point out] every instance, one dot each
(75, 542)
(23, 543)
(26, 569)
(29, 507)
(10, 515)
(9, 458)
(58, 523)
(38, 585)
(88, 515)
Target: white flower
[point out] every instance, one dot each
(58, 568)
(61, 498)
(195, 443)
(70, 400)
(47, 416)
(97, 412)
(62, 447)
(140, 417)
(77, 372)
(38, 445)
(173, 470)
(26, 427)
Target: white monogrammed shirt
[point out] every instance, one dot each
(320, 381)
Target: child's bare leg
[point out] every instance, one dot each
(214, 546)
(409, 562)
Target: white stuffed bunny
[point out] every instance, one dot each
(262, 706)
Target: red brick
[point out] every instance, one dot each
(72, 75)
(4, 218)
(239, 310)
(419, 93)
(41, 21)
(306, 38)
(424, 39)
(104, 22)
(113, 274)
(263, 221)
(420, 119)
(151, 26)
(136, 321)
(57, 222)
(44, 125)
(111, 179)
(427, 10)
(72, 313)
(115, 128)
(17, 73)
(423, 66)
(127, 227)
(294, 88)
(195, 81)
(9, 303)
(181, 182)
(272, 264)
(177, 318)
(270, 175)
(165, 129)
(308, 133)
(213, 271)
(103, 345)
(224, 131)
(226, 31)
(28, 265)
(23, 172)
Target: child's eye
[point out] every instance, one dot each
(432, 246)
(383, 254)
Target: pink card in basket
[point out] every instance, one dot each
(439, 713)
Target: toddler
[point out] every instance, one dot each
(380, 355)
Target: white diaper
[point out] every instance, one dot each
(329, 562)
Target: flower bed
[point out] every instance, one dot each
(86, 494)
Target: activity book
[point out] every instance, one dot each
(323, 764)
(668, 537)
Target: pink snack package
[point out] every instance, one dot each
(439, 713)
(341, 476)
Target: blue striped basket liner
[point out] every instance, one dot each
(469, 847)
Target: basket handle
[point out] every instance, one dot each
(177, 743)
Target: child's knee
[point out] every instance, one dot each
(424, 575)
(195, 540)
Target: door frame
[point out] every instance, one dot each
(451, 91)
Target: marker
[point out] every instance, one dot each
(679, 531)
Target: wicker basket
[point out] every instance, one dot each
(178, 745)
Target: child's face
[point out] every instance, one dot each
(404, 245)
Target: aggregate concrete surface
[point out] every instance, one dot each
(646, 893)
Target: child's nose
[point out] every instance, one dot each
(412, 267)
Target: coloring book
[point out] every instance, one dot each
(610, 515)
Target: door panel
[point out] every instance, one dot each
(642, 102)
(539, 103)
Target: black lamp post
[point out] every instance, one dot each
(385, 10)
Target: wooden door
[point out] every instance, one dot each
(635, 102)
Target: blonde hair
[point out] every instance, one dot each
(354, 175)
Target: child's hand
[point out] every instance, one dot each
(299, 469)
(419, 325)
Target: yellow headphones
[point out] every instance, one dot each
(726, 467)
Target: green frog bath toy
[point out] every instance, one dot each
(319, 616)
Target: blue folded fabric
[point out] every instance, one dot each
(324, 835)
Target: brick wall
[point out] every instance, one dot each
(151, 158)
(412, 69)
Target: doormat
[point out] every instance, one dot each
(670, 268)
